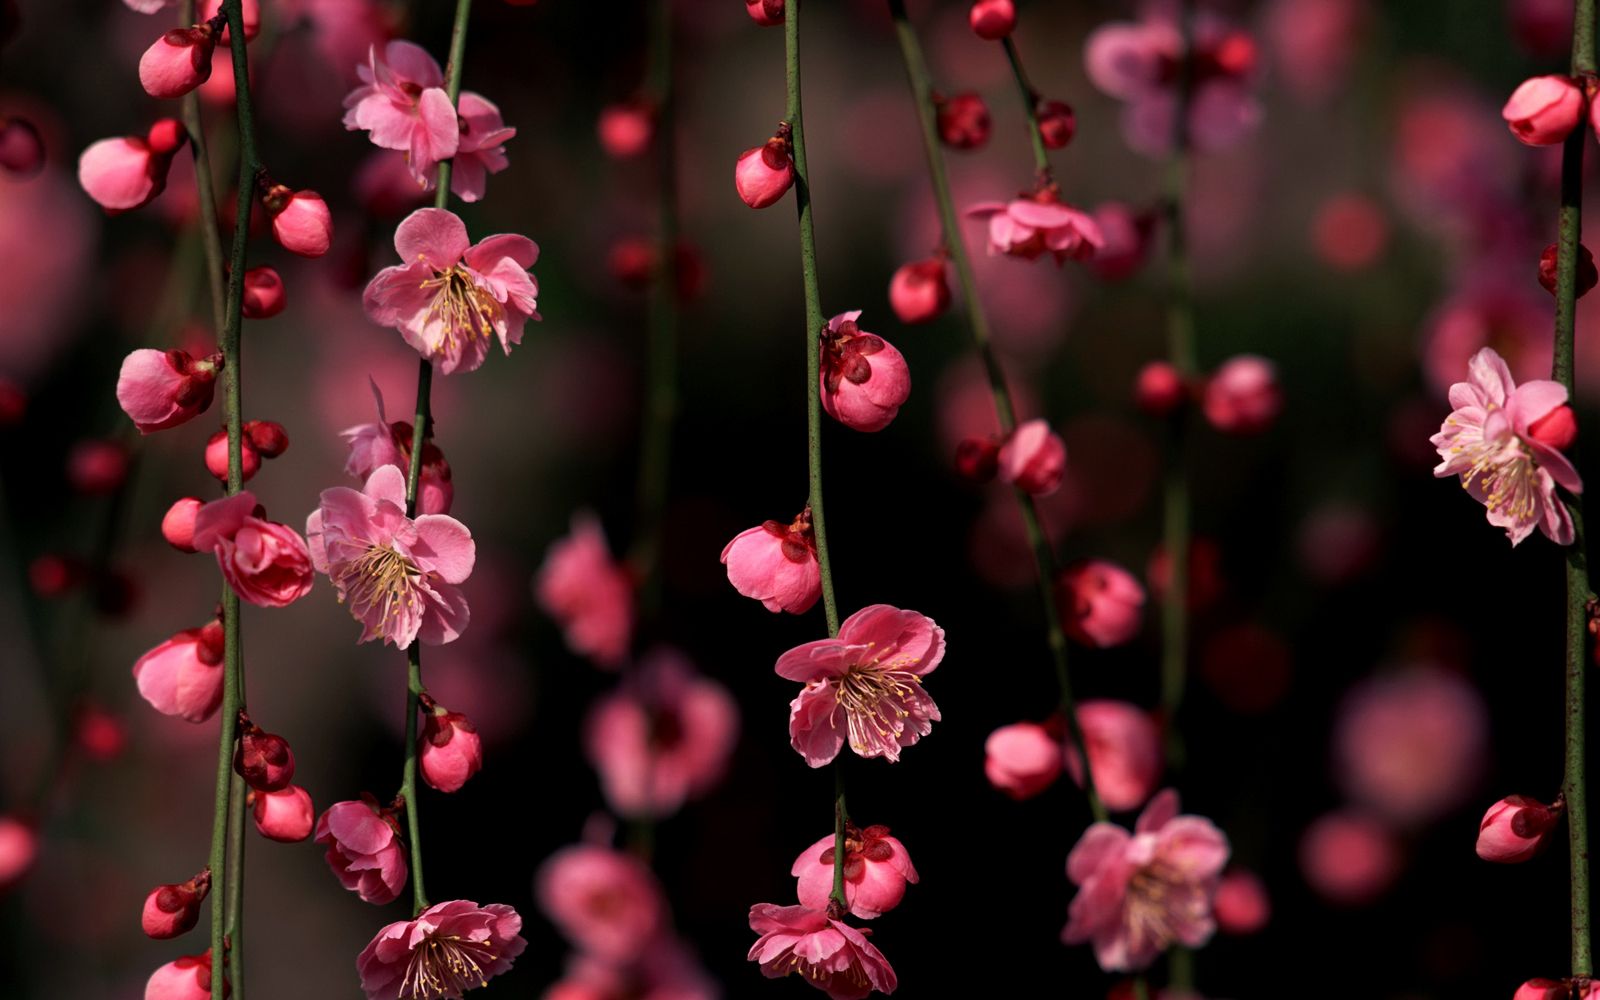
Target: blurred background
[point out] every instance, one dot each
(1373, 665)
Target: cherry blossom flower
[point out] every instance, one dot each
(445, 951)
(1516, 828)
(364, 849)
(399, 576)
(401, 104)
(183, 675)
(834, 957)
(482, 149)
(374, 445)
(1505, 442)
(1101, 603)
(776, 564)
(186, 978)
(588, 593)
(1029, 226)
(1143, 892)
(266, 563)
(871, 674)
(451, 298)
(606, 902)
(865, 380)
(125, 173)
(1125, 755)
(876, 871)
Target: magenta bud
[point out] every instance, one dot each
(1033, 458)
(1057, 124)
(97, 467)
(267, 437)
(171, 910)
(263, 759)
(919, 292)
(964, 121)
(178, 62)
(977, 459)
(993, 19)
(1159, 389)
(764, 174)
(285, 815)
(450, 750)
(301, 222)
(263, 293)
(217, 456)
(177, 526)
(1516, 828)
(765, 12)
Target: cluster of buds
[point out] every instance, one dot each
(1241, 397)
(1033, 458)
(259, 439)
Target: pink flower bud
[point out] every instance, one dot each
(1242, 396)
(19, 846)
(1543, 989)
(264, 760)
(776, 564)
(21, 148)
(1515, 829)
(263, 293)
(97, 467)
(626, 129)
(171, 910)
(284, 815)
(125, 173)
(1022, 759)
(1159, 389)
(186, 978)
(764, 173)
(364, 849)
(1101, 603)
(183, 675)
(166, 136)
(864, 379)
(301, 222)
(161, 389)
(52, 575)
(1544, 110)
(177, 525)
(178, 62)
(993, 19)
(918, 292)
(266, 563)
(1125, 757)
(267, 437)
(217, 457)
(1034, 458)
(450, 750)
(765, 12)
(1057, 124)
(977, 459)
(1558, 428)
(964, 121)
(1241, 905)
(1585, 277)
(876, 871)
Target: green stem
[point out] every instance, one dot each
(210, 231)
(837, 904)
(235, 886)
(1574, 786)
(1005, 411)
(1030, 108)
(814, 322)
(419, 434)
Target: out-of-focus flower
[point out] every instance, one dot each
(400, 577)
(865, 380)
(264, 296)
(284, 815)
(1057, 123)
(1027, 227)
(588, 593)
(1101, 603)
(364, 849)
(963, 120)
(266, 563)
(1159, 389)
(1314, 43)
(19, 847)
(1141, 893)
(444, 951)
(1125, 240)
(1033, 458)
(374, 445)
(183, 675)
(871, 674)
(451, 299)
(97, 467)
(1241, 905)
(1544, 110)
(1485, 311)
(1242, 395)
(918, 291)
(1124, 747)
(831, 956)
(1505, 442)
(605, 902)
(1516, 828)
(1349, 232)
(1022, 759)
(161, 389)
(171, 910)
(992, 19)
(21, 148)
(776, 564)
(876, 871)
(1349, 858)
(661, 739)
(626, 129)
(401, 104)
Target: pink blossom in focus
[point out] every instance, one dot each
(776, 564)
(865, 380)
(1022, 759)
(178, 62)
(266, 563)
(364, 849)
(482, 149)
(1033, 458)
(1030, 226)
(1349, 858)
(665, 737)
(449, 749)
(1101, 603)
(400, 577)
(1544, 110)
(451, 299)
(876, 871)
(918, 291)
(1125, 755)
(171, 910)
(183, 675)
(161, 389)
(284, 815)
(186, 978)
(444, 951)
(1141, 893)
(1242, 395)
(1492, 441)
(374, 445)
(588, 594)
(401, 104)
(301, 222)
(19, 847)
(829, 955)
(866, 685)
(1241, 905)
(126, 173)
(1516, 828)
(764, 173)
(607, 903)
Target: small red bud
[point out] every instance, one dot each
(52, 575)
(1159, 389)
(765, 12)
(977, 459)
(177, 526)
(97, 467)
(264, 760)
(1057, 124)
(993, 19)
(1558, 428)
(166, 136)
(171, 910)
(964, 121)
(267, 437)
(1585, 277)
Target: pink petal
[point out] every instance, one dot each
(446, 545)
(432, 236)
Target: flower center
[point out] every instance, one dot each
(1154, 904)
(385, 580)
(463, 308)
(853, 973)
(873, 697)
(1508, 477)
(446, 965)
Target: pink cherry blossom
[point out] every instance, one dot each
(1125, 755)
(186, 978)
(401, 104)
(876, 871)
(1516, 828)
(831, 956)
(183, 675)
(1241, 905)
(776, 564)
(1141, 893)
(919, 291)
(399, 576)
(1127, 239)
(266, 563)
(588, 593)
(126, 173)
(1544, 110)
(482, 149)
(445, 951)
(865, 380)
(450, 751)
(451, 298)
(1101, 603)
(284, 815)
(1491, 440)
(871, 674)
(1242, 395)
(1033, 458)
(374, 445)
(606, 902)
(161, 389)
(364, 849)
(1022, 759)
(179, 61)
(1027, 227)
(664, 738)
